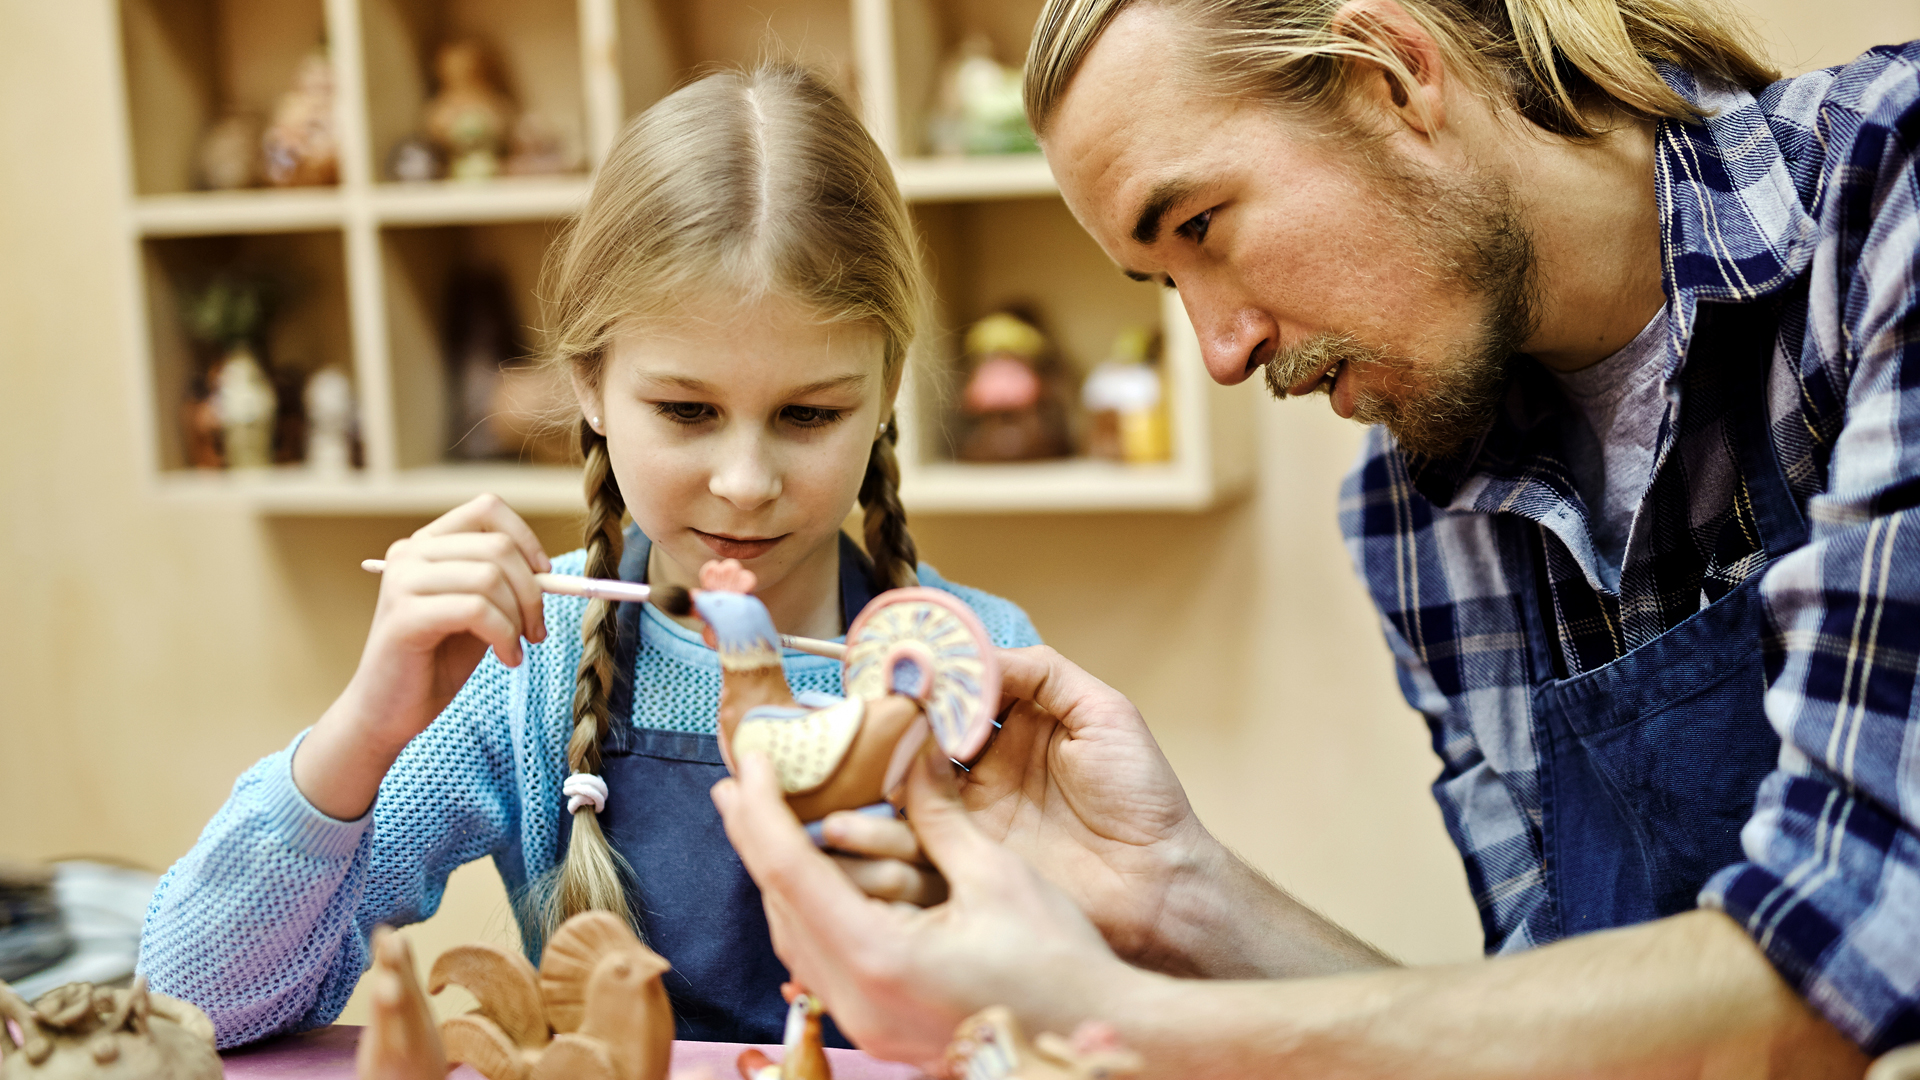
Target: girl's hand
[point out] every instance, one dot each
(460, 585)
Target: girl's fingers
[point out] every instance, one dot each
(874, 837)
(894, 881)
(442, 616)
(490, 513)
(410, 559)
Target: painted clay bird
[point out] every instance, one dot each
(595, 1010)
(918, 663)
(804, 1054)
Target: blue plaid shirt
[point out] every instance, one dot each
(1804, 200)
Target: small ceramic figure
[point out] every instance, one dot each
(538, 148)
(414, 160)
(1125, 403)
(979, 109)
(804, 1055)
(595, 1010)
(244, 400)
(86, 1032)
(989, 1045)
(301, 146)
(1014, 410)
(918, 668)
(329, 405)
(230, 154)
(469, 117)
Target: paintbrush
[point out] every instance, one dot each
(671, 599)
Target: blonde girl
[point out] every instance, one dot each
(734, 308)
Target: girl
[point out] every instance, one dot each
(734, 308)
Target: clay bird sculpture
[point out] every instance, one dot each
(595, 1010)
(804, 1054)
(85, 1032)
(989, 1045)
(918, 664)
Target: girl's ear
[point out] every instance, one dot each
(589, 398)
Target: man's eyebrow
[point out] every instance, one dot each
(1146, 227)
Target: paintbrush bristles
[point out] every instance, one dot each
(673, 600)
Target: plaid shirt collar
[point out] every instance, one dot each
(1734, 229)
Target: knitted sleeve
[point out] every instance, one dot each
(1005, 622)
(265, 923)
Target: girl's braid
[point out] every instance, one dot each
(888, 543)
(593, 875)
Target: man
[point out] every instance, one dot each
(1639, 515)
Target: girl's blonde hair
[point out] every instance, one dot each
(745, 184)
(1562, 64)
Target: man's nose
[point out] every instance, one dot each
(746, 474)
(1233, 337)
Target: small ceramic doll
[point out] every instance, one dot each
(1010, 399)
(300, 146)
(1126, 403)
(229, 156)
(979, 109)
(470, 117)
(329, 401)
(989, 1045)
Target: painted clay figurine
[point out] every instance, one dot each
(245, 401)
(979, 109)
(1125, 403)
(86, 1032)
(469, 117)
(1013, 408)
(989, 1045)
(804, 1054)
(300, 146)
(595, 1010)
(917, 663)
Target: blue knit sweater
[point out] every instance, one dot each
(265, 923)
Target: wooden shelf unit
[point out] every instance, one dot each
(372, 255)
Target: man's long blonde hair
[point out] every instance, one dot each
(1561, 63)
(748, 184)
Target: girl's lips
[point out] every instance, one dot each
(733, 547)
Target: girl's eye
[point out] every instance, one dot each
(1195, 227)
(685, 412)
(810, 415)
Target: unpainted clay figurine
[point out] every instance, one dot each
(301, 146)
(230, 153)
(917, 663)
(86, 1032)
(595, 1010)
(245, 401)
(329, 401)
(805, 1054)
(469, 117)
(989, 1045)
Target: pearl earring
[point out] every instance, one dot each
(594, 422)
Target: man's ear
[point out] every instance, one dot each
(1412, 89)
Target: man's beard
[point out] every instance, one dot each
(1469, 235)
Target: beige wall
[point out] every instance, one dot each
(150, 651)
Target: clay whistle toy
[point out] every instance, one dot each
(920, 674)
(804, 1056)
(85, 1032)
(989, 1045)
(595, 1010)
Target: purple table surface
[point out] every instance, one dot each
(327, 1054)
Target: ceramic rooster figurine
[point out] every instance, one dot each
(804, 1055)
(917, 663)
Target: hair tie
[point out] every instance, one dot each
(584, 789)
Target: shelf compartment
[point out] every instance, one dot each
(697, 35)
(419, 266)
(190, 62)
(535, 44)
(309, 330)
(928, 33)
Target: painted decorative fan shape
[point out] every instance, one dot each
(928, 644)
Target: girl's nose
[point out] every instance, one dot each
(1234, 337)
(745, 475)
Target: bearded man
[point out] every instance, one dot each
(1636, 327)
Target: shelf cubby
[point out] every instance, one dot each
(378, 253)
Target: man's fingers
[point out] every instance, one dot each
(894, 881)
(781, 859)
(952, 842)
(1056, 684)
(874, 837)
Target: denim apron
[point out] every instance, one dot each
(1649, 765)
(697, 906)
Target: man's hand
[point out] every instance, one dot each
(1076, 785)
(898, 978)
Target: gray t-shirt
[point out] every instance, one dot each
(1620, 401)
